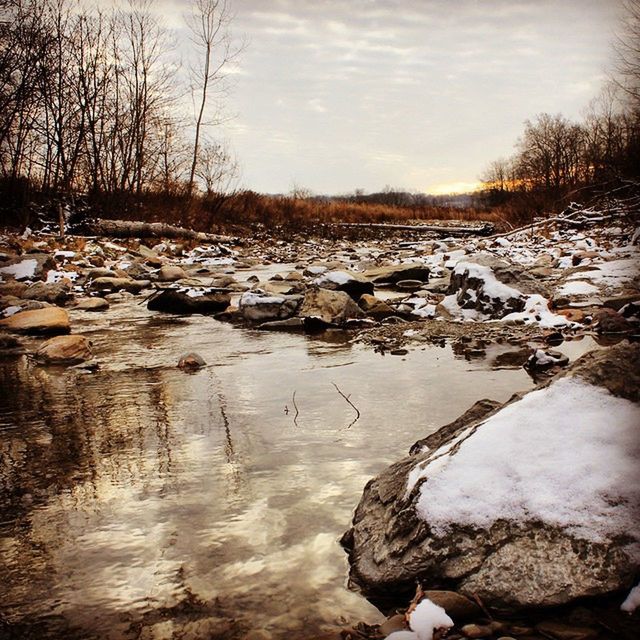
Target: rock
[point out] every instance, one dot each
(476, 631)
(394, 623)
(294, 276)
(516, 546)
(541, 360)
(52, 292)
(65, 350)
(348, 281)
(50, 320)
(329, 307)
(13, 288)
(575, 315)
(476, 284)
(616, 303)
(459, 608)
(186, 301)
(260, 306)
(10, 345)
(92, 304)
(374, 307)
(291, 324)
(257, 634)
(562, 631)
(511, 359)
(150, 256)
(170, 273)
(395, 273)
(191, 362)
(608, 321)
(116, 284)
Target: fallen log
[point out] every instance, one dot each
(134, 229)
(484, 229)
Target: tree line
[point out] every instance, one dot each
(556, 158)
(92, 100)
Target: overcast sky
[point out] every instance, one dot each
(335, 95)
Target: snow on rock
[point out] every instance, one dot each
(577, 288)
(632, 601)
(536, 311)
(477, 288)
(258, 306)
(351, 283)
(24, 270)
(535, 505)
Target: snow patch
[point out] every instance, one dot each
(21, 270)
(632, 601)
(536, 310)
(577, 288)
(426, 618)
(546, 457)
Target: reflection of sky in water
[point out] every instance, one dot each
(148, 483)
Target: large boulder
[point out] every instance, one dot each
(65, 350)
(348, 281)
(395, 273)
(187, 301)
(52, 292)
(50, 320)
(483, 284)
(171, 273)
(329, 307)
(533, 505)
(264, 306)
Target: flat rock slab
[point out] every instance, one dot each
(50, 320)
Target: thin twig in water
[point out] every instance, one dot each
(349, 401)
(295, 406)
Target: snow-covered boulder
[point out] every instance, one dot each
(351, 283)
(31, 266)
(485, 286)
(535, 504)
(262, 306)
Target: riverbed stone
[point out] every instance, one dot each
(263, 306)
(329, 307)
(52, 292)
(188, 301)
(458, 607)
(351, 283)
(50, 320)
(392, 274)
(116, 284)
(70, 349)
(92, 304)
(561, 631)
(191, 362)
(171, 273)
(375, 307)
(509, 564)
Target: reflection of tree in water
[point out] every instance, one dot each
(237, 474)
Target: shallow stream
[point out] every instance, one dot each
(140, 495)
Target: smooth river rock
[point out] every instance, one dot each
(65, 350)
(50, 320)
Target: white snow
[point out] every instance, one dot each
(9, 311)
(632, 601)
(536, 310)
(577, 288)
(614, 273)
(64, 254)
(426, 618)
(255, 298)
(491, 287)
(21, 270)
(541, 358)
(566, 454)
(56, 276)
(334, 277)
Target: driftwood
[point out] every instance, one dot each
(481, 230)
(133, 229)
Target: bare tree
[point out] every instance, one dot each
(209, 25)
(627, 47)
